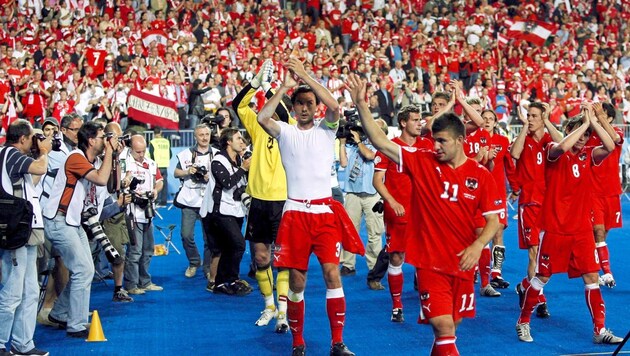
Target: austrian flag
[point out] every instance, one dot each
(154, 35)
(535, 32)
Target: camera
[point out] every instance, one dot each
(247, 155)
(145, 202)
(89, 219)
(200, 175)
(378, 207)
(213, 123)
(352, 123)
(239, 192)
(123, 140)
(38, 137)
(135, 181)
(56, 142)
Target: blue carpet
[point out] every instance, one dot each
(185, 318)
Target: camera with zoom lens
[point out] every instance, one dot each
(89, 219)
(38, 137)
(135, 181)
(200, 175)
(352, 123)
(145, 202)
(123, 140)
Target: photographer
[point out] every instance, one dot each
(357, 154)
(145, 182)
(193, 167)
(19, 292)
(73, 189)
(225, 211)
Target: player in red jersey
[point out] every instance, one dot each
(500, 164)
(447, 189)
(607, 185)
(567, 243)
(477, 147)
(395, 189)
(528, 149)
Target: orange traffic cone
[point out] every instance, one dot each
(96, 330)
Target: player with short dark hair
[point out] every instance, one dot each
(447, 190)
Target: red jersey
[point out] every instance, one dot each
(530, 170)
(568, 199)
(397, 183)
(503, 164)
(96, 60)
(475, 140)
(445, 200)
(606, 180)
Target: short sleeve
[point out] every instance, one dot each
(490, 201)
(78, 166)
(380, 162)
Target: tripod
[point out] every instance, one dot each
(167, 238)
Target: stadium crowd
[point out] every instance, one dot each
(67, 67)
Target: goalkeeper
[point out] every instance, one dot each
(268, 190)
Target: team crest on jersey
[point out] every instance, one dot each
(410, 149)
(497, 148)
(472, 183)
(377, 160)
(498, 202)
(582, 156)
(482, 140)
(545, 257)
(424, 296)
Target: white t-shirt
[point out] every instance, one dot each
(307, 156)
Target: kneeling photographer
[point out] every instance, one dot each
(144, 181)
(225, 210)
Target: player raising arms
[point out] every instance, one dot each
(447, 189)
(528, 149)
(312, 220)
(567, 243)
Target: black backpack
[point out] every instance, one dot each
(16, 214)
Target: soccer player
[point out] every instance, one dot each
(312, 220)
(528, 149)
(607, 185)
(567, 243)
(501, 165)
(395, 189)
(267, 186)
(447, 189)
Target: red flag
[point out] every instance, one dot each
(154, 35)
(153, 110)
(535, 32)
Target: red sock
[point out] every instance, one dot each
(532, 295)
(395, 280)
(295, 314)
(595, 304)
(444, 346)
(336, 309)
(484, 266)
(525, 283)
(604, 256)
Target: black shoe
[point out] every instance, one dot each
(521, 295)
(340, 349)
(542, 311)
(32, 351)
(375, 285)
(299, 350)
(499, 283)
(122, 297)
(223, 288)
(241, 288)
(83, 334)
(397, 315)
(345, 271)
(210, 286)
(60, 324)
